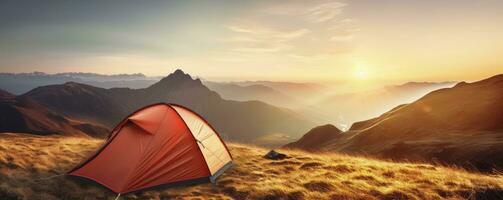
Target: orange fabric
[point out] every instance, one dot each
(149, 119)
(155, 147)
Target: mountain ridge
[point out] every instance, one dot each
(461, 125)
(233, 91)
(109, 106)
(316, 137)
(19, 83)
(25, 115)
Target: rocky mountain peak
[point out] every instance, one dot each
(177, 78)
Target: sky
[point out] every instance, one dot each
(316, 40)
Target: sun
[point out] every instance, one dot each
(361, 72)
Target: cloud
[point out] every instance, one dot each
(311, 11)
(257, 38)
(301, 31)
(324, 12)
(342, 38)
(292, 34)
(239, 29)
(259, 49)
(258, 33)
(309, 59)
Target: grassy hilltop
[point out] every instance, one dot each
(26, 161)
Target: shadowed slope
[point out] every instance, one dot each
(4, 94)
(26, 161)
(22, 114)
(316, 138)
(81, 101)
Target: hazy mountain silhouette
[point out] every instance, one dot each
(292, 89)
(320, 104)
(240, 121)
(233, 91)
(18, 83)
(24, 115)
(461, 125)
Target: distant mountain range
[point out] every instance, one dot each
(295, 89)
(462, 125)
(314, 100)
(18, 83)
(20, 114)
(237, 121)
(282, 94)
(244, 92)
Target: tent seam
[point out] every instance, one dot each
(194, 137)
(143, 154)
(207, 123)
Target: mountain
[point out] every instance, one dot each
(238, 121)
(18, 83)
(296, 90)
(35, 164)
(348, 108)
(318, 102)
(98, 77)
(81, 101)
(5, 95)
(316, 137)
(287, 87)
(462, 125)
(233, 91)
(22, 114)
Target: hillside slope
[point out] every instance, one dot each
(238, 121)
(362, 105)
(462, 125)
(22, 114)
(28, 162)
(316, 138)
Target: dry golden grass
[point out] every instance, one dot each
(26, 160)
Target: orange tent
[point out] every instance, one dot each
(161, 144)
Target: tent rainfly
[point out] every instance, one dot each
(161, 144)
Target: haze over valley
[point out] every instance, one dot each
(335, 103)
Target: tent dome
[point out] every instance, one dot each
(160, 144)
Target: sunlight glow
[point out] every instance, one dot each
(361, 72)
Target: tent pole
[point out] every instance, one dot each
(118, 195)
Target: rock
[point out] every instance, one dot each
(273, 155)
